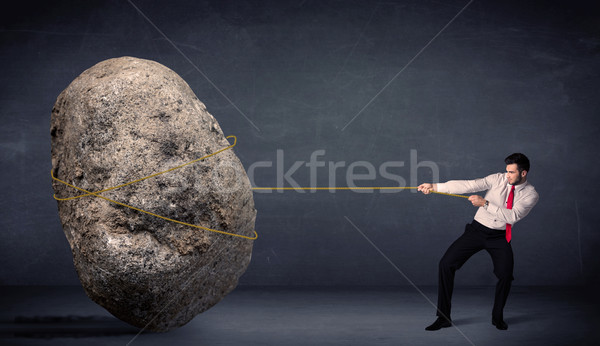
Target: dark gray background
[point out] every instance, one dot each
(503, 77)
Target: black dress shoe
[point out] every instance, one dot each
(439, 324)
(500, 324)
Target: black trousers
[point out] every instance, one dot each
(477, 237)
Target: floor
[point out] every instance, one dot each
(55, 315)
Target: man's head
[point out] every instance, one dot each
(517, 167)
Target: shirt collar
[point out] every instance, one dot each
(520, 186)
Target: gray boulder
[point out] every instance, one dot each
(124, 119)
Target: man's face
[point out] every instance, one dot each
(513, 175)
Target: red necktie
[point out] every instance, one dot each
(509, 205)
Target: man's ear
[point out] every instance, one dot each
(523, 174)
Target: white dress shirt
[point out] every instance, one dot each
(496, 215)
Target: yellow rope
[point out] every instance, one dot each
(355, 188)
(97, 193)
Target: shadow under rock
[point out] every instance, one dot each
(70, 326)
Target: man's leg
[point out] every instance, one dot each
(457, 254)
(502, 257)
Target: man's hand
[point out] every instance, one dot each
(426, 188)
(477, 200)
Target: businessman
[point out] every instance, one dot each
(508, 199)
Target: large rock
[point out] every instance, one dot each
(128, 118)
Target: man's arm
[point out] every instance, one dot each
(461, 186)
(519, 210)
(427, 188)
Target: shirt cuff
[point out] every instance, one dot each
(442, 187)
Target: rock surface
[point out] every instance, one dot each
(124, 119)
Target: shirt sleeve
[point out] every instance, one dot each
(469, 186)
(520, 209)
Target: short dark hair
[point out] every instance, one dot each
(521, 160)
